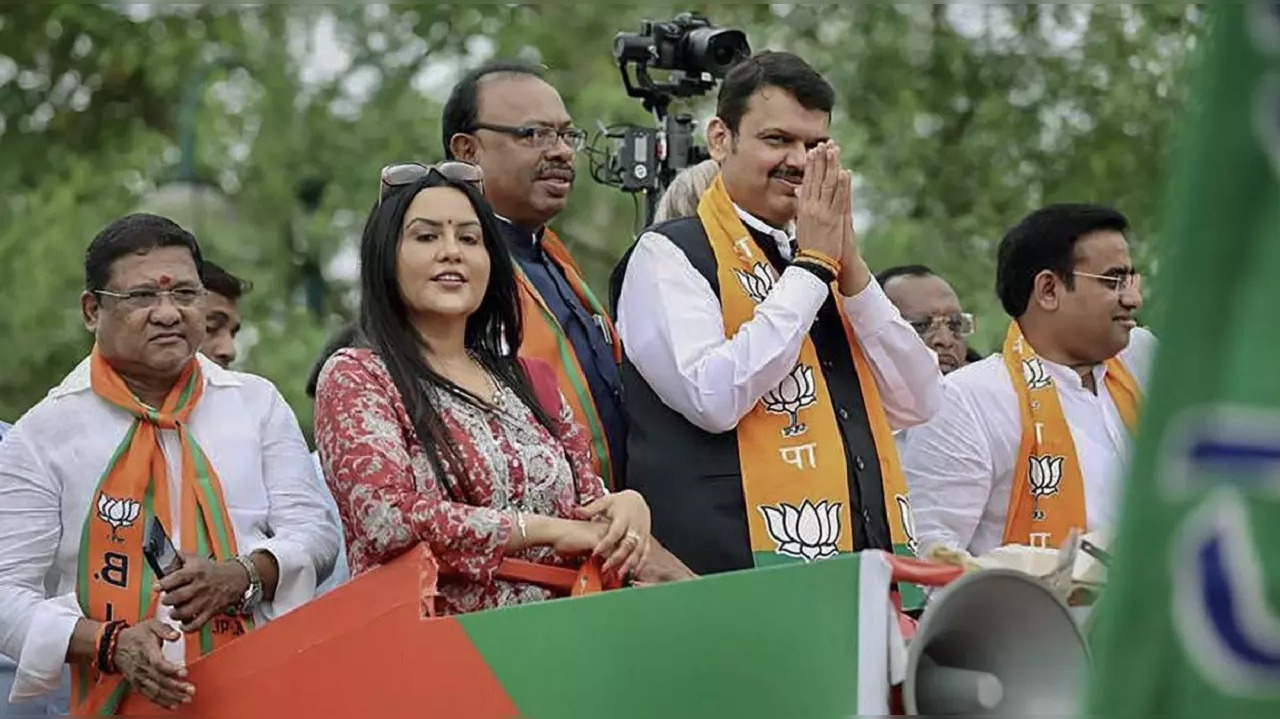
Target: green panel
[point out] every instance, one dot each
(779, 642)
(912, 594)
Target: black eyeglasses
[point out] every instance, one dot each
(407, 173)
(541, 137)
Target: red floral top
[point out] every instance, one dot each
(390, 498)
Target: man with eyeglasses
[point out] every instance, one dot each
(932, 308)
(149, 444)
(1030, 443)
(506, 118)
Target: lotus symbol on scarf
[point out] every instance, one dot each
(908, 523)
(1035, 375)
(1045, 476)
(798, 391)
(805, 532)
(118, 513)
(808, 532)
(757, 284)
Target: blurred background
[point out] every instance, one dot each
(262, 129)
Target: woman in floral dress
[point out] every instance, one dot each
(430, 430)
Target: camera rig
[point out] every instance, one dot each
(697, 54)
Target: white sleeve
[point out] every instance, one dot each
(34, 630)
(672, 330)
(1139, 356)
(906, 370)
(948, 467)
(304, 540)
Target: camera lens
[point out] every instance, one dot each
(716, 50)
(632, 47)
(724, 55)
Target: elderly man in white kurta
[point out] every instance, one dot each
(1032, 442)
(146, 428)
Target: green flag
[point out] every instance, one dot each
(1190, 624)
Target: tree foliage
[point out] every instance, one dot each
(957, 120)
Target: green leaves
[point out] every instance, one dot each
(957, 120)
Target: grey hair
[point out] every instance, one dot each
(682, 196)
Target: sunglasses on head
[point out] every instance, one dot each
(407, 173)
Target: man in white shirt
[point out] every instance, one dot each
(147, 436)
(764, 369)
(57, 704)
(1032, 441)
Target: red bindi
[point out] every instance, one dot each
(165, 282)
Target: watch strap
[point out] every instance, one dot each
(252, 595)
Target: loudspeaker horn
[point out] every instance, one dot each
(996, 643)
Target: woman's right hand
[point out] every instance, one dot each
(139, 660)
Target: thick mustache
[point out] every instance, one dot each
(788, 175)
(557, 171)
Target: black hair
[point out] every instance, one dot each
(462, 109)
(493, 333)
(1046, 240)
(133, 234)
(344, 337)
(771, 69)
(883, 278)
(216, 279)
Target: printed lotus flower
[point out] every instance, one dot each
(808, 532)
(1045, 476)
(118, 513)
(1034, 373)
(798, 391)
(908, 522)
(757, 284)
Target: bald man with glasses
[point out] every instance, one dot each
(507, 119)
(932, 308)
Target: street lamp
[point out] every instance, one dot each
(195, 203)
(206, 211)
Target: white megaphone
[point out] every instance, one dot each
(996, 643)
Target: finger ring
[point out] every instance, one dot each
(633, 536)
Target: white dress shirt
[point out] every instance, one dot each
(341, 569)
(672, 327)
(50, 464)
(960, 464)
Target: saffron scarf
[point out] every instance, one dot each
(794, 476)
(545, 339)
(1047, 500)
(113, 579)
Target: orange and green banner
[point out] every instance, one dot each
(802, 640)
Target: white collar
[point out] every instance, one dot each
(535, 236)
(1067, 376)
(78, 380)
(782, 237)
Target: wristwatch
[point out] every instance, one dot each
(253, 595)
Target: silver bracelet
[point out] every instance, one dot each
(524, 531)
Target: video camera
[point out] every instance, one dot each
(697, 54)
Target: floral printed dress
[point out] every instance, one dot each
(390, 498)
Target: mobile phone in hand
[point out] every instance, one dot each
(159, 550)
